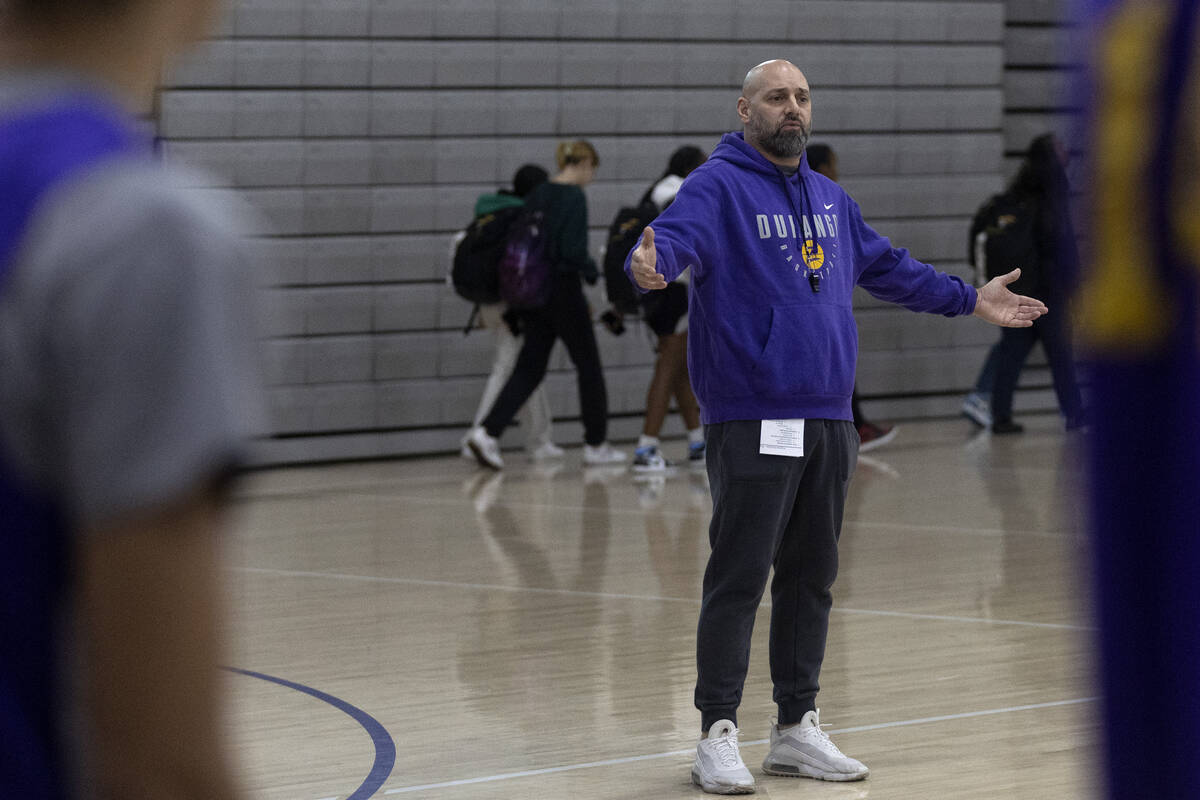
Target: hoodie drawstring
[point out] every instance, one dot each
(814, 280)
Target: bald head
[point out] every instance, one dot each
(777, 69)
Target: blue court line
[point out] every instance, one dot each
(385, 748)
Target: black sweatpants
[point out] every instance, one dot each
(769, 511)
(565, 316)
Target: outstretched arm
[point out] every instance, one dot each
(999, 306)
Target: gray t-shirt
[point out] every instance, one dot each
(128, 364)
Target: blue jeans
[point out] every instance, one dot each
(987, 376)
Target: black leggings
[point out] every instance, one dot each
(565, 316)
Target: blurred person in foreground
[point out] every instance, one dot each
(776, 251)
(1138, 331)
(125, 405)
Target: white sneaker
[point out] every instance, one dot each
(546, 450)
(718, 768)
(485, 448)
(649, 459)
(806, 751)
(602, 453)
(978, 408)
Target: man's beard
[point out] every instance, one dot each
(781, 143)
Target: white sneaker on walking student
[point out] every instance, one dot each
(806, 751)
(485, 448)
(718, 768)
(978, 408)
(602, 453)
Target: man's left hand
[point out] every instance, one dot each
(999, 306)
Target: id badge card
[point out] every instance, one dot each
(782, 437)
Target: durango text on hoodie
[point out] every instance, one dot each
(775, 259)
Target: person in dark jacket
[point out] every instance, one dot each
(1041, 184)
(775, 251)
(536, 416)
(565, 316)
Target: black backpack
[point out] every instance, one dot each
(475, 274)
(1002, 238)
(623, 234)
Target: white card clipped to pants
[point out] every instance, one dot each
(782, 437)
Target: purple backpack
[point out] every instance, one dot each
(525, 268)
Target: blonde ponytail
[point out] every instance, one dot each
(576, 152)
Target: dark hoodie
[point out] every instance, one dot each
(762, 344)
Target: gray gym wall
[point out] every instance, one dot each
(363, 130)
(1038, 51)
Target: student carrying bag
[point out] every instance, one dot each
(1002, 237)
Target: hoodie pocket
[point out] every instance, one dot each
(810, 350)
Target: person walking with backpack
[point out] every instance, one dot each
(775, 252)
(665, 313)
(565, 315)
(1029, 226)
(501, 208)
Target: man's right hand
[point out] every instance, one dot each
(644, 261)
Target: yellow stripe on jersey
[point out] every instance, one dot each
(1123, 305)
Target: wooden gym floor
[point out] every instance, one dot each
(422, 628)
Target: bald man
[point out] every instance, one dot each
(776, 251)
(128, 381)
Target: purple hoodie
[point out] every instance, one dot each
(762, 344)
